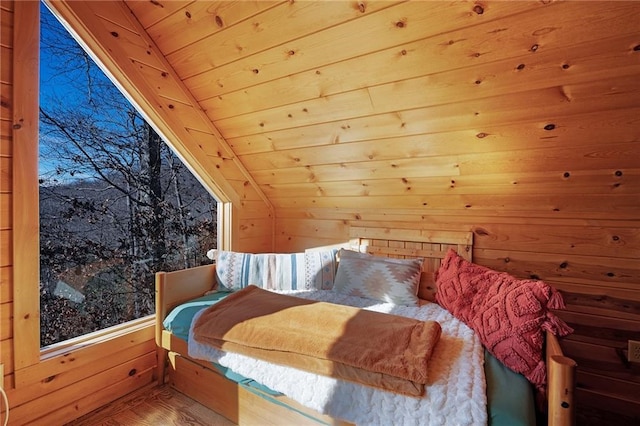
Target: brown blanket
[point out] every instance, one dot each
(372, 348)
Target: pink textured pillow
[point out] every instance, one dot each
(509, 315)
(457, 283)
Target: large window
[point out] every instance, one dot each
(116, 205)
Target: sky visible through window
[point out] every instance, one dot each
(66, 72)
(53, 85)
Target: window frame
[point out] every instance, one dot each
(26, 217)
(29, 357)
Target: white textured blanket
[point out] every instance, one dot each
(455, 395)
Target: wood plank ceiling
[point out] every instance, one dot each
(447, 105)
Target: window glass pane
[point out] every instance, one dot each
(115, 204)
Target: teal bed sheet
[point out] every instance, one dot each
(510, 400)
(178, 323)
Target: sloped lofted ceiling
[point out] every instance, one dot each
(330, 104)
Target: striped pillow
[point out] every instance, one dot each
(388, 280)
(313, 270)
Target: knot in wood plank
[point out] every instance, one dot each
(478, 9)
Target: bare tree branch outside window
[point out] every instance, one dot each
(115, 204)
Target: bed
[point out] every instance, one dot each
(244, 400)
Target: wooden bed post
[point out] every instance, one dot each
(161, 313)
(561, 409)
(561, 379)
(173, 288)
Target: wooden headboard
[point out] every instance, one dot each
(410, 243)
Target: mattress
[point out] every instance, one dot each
(509, 395)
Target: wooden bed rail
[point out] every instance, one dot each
(173, 288)
(561, 372)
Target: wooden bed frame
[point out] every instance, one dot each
(205, 384)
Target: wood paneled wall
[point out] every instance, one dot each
(516, 120)
(6, 149)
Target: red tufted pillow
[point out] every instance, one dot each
(509, 315)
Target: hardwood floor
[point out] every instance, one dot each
(164, 406)
(153, 406)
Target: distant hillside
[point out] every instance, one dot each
(92, 209)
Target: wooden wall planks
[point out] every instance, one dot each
(518, 121)
(89, 394)
(393, 26)
(203, 19)
(6, 152)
